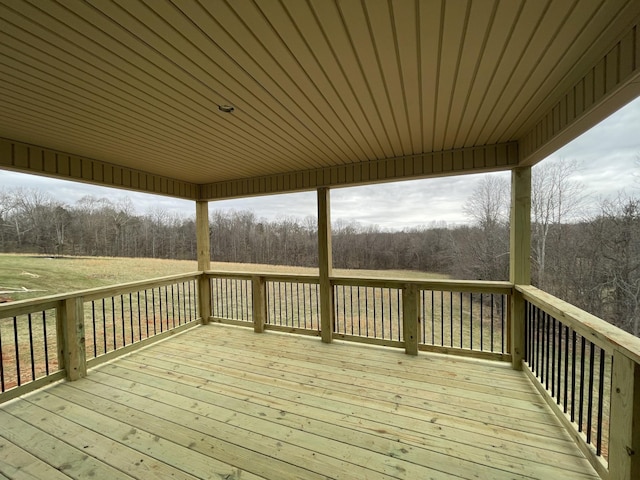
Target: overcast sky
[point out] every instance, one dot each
(607, 154)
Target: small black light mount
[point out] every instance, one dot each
(226, 108)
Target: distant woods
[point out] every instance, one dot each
(590, 258)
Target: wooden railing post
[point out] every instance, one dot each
(204, 260)
(519, 257)
(71, 340)
(410, 318)
(624, 426)
(259, 297)
(325, 265)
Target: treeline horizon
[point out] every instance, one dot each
(593, 263)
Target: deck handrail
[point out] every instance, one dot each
(585, 367)
(606, 336)
(47, 338)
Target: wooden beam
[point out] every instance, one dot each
(486, 158)
(71, 324)
(624, 426)
(410, 318)
(26, 158)
(325, 264)
(204, 259)
(520, 257)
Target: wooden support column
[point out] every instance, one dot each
(70, 326)
(204, 260)
(624, 426)
(259, 297)
(410, 318)
(325, 265)
(520, 257)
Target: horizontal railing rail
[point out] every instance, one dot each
(45, 339)
(589, 372)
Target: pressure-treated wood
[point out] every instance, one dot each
(410, 318)
(204, 259)
(259, 299)
(325, 264)
(222, 402)
(519, 257)
(624, 434)
(73, 340)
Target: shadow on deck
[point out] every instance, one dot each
(220, 401)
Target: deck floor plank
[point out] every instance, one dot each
(223, 402)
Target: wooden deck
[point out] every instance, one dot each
(223, 402)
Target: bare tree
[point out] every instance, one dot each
(555, 199)
(486, 251)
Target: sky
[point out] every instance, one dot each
(608, 154)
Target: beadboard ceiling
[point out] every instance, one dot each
(314, 84)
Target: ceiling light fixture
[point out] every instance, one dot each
(226, 108)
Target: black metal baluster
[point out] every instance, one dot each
(104, 325)
(491, 325)
(451, 319)
(146, 311)
(359, 313)
(46, 342)
(553, 358)
(173, 308)
(471, 321)
(139, 316)
(113, 321)
(600, 405)
(17, 348)
(566, 367)
(31, 352)
(590, 392)
(433, 319)
(573, 375)
(441, 318)
(1, 362)
(558, 390)
(153, 305)
(461, 318)
(502, 329)
(382, 309)
(124, 342)
(93, 321)
(582, 360)
(481, 322)
(131, 317)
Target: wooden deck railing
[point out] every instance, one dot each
(46, 339)
(589, 372)
(587, 369)
(459, 317)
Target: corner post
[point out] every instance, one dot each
(259, 297)
(204, 259)
(520, 257)
(325, 265)
(410, 318)
(624, 425)
(70, 325)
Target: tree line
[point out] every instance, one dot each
(590, 259)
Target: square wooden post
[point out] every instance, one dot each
(325, 265)
(624, 425)
(259, 297)
(204, 260)
(70, 327)
(519, 257)
(410, 318)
